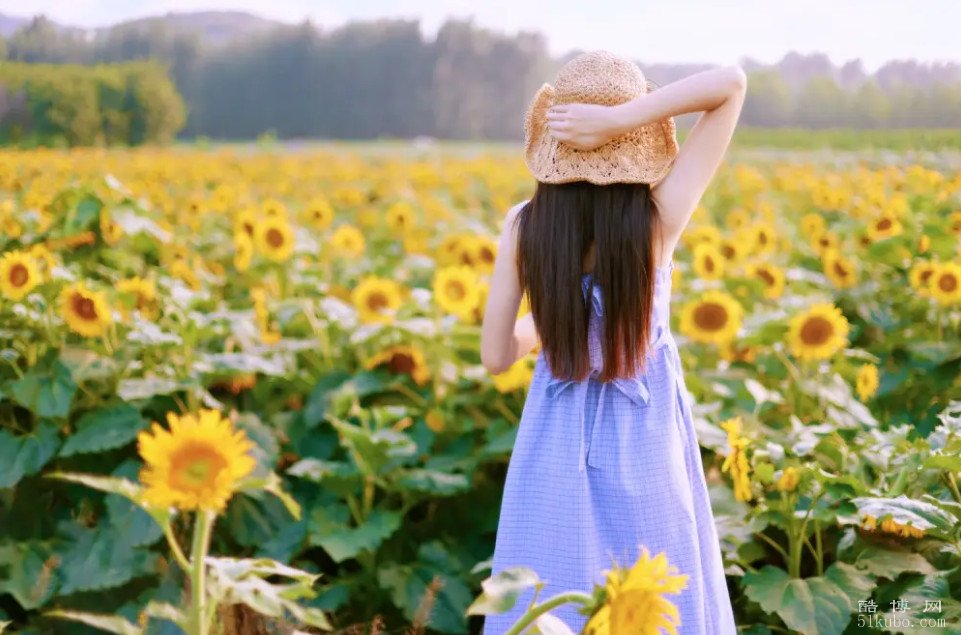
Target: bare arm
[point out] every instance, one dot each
(504, 338)
(718, 93)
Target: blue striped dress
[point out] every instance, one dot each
(600, 469)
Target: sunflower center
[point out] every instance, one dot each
(925, 275)
(486, 255)
(84, 307)
(840, 270)
(816, 330)
(377, 301)
(455, 290)
(19, 275)
(710, 316)
(948, 283)
(766, 276)
(275, 238)
(727, 251)
(196, 466)
(709, 264)
(884, 224)
(401, 363)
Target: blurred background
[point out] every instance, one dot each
(364, 70)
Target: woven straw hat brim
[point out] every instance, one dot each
(642, 155)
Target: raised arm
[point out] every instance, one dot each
(718, 93)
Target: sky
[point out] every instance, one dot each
(672, 31)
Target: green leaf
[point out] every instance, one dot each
(409, 584)
(102, 558)
(886, 563)
(165, 611)
(811, 606)
(342, 542)
(375, 450)
(500, 592)
(952, 463)
(236, 580)
(85, 216)
(315, 408)
(906, 511)
(272, 485)
(432, 482)
(104, 429)
(28, 573)
(109, 623)
(25, 455)
(47, 394)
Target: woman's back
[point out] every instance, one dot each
(600, 469)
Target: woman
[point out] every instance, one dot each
(606, 459)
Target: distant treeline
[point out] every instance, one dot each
(384, 79)
(127, 104)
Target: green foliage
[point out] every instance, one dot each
(131, 103)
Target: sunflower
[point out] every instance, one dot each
(517, 377)
(818, 333)
(272, 208)
(634, 600)
(736, 461)
(919, 275)
(400, 216)
(812, 224)
(274, 238)
(867, 381)
(885, 226)
(701, 233)
(376, 299)
(789, 479)
(708, 261)
(924, 243)
(86, 312)
(245, 221)
(402, 360)
(320, 213)
(19, 274)
(944, 283)
(452, 249)
(483, 252)
(822, 241)
(890, 526)
(714, 318)
(243, 250)
(195, 465)
(954, 222)
(765, 238)
(456, 290)
(144, 295)
(838, 269)
(348, 240)
(109, 230)
(737, 218)
(772, 276)
(732, 250)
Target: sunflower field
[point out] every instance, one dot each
(284, 345)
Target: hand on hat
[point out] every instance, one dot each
(583, 126)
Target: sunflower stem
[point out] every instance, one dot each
(201, 542)
(175, 549)
(545, 606)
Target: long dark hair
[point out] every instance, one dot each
(556, 229)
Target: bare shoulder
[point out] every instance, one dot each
(511, 217)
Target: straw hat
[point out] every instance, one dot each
(642, 155)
